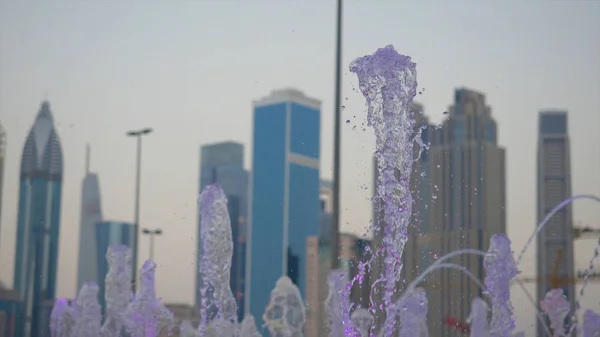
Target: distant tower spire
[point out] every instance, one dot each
(87, 158)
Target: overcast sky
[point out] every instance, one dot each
(190, 70)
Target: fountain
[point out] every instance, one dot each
(388, 82)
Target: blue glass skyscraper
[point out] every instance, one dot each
(223, 164)
(38, 222)
(109, 233)
(284, 193)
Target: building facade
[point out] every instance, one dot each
(90, 215)
(467, 193)
(284, 193)
(38, 221)
(2, 158)
(109, 233)
(555, 241)
(223, 164)
(11, 309)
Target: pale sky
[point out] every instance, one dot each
(190, 70)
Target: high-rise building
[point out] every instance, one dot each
(352, 251)
(11, 308)
(2, 157)
(284, 193)
(223, 164)
(555, 241)
(108, 233)
(38, 223)
(326, 219)
(90, 215)
(466, 205)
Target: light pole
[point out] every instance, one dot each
(152, 233)
(136, 225)
(335, 228)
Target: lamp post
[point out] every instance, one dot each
(152, 233)
(136, 225)
(335, 228)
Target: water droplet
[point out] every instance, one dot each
(347, 121)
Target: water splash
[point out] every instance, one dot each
(591, 324)
(146, 315)
(334, 309)
(62, 319)
(413, 314)
(186, 329)
(89, 316)
(556, 307)
(479, 318)
(215, 262)
(363, 320)
(220, 327)
(500, 267)
(285, 315)
(388, 82)
(248, 327)
(117, 289)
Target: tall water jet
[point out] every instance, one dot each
(479, 318)
(500, 268)
(413, 314)
(591, 324)
(89, 316)
(285, 315)
(556, 307)
(388, 82)
(146, 315)
(248, 327)
(117, 289)
(215, 262)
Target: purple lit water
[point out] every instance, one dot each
(388, 81)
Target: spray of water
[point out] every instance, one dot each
(556, 307)
(215, 262)
(117, 289)
(89, 315)
(285, 315)
(388, 82)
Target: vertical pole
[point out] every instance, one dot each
(152, 246)
(136, 226)
(335, 228)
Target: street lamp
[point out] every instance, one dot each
(136, 225)
(152, 233)
(335, 228)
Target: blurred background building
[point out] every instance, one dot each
(38, 224)
(555, 240)
(284, 193)
(109, 233)
(2, 158)
(91, 214)
(223, 164)
(11, 309)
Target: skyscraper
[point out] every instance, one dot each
(91, 213)
(555, 241)
(38, 221)
(108, 233)
(284, 193)
(2, 156)
(223, 164)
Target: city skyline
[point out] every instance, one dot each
(194, 84)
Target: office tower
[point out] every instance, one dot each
(223, 164)
(555, 241)
(325, 216)
(353, 250)
(108, 233)
(38, 221)
(90, 215)
(11, 307)
(2, 157)
(467, 199)
(284, 193)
